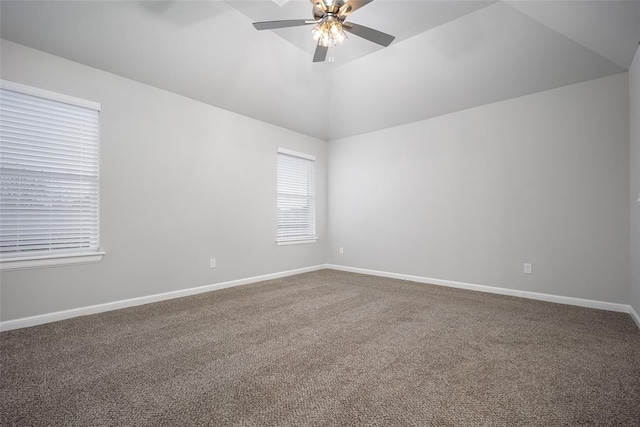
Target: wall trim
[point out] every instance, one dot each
(40, 319)
(132, 302)
(601, 305)
(50, 260)
(634, 316)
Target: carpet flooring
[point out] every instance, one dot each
(327, 348)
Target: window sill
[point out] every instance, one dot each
(50, 260)
(296, 242)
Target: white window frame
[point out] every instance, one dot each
(49, 258)
(306, 238)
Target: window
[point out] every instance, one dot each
(48, 178)
(296, 198)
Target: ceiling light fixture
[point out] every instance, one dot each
(329, 26)
(329, 31)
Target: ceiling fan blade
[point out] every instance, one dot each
(368, 33)
(320, 54)
(271, 25)
(351, 6)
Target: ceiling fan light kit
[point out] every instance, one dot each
(329, 31)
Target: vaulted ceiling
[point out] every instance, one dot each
(448, 55)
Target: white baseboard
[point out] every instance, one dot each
(601, 305)
(634, 316)
(99, 308)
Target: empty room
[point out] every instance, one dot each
(320, 213)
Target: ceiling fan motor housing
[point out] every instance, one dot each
(325, 7)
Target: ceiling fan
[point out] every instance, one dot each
(329, 19)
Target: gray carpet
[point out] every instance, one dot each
(327, 348)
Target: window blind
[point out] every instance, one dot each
(48, 175)
(296, 198)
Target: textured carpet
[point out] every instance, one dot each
(327, 348)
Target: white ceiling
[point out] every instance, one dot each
(448, 55)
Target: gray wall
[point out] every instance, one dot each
(634, 95)
(468, 196)
(472, 195)
(181, 181)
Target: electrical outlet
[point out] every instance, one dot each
(212, 263)
(341, 250)
(527, 268)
